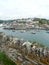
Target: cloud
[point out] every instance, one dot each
(10, 9)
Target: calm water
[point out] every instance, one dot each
(41, 36)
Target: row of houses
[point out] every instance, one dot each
(22, 23)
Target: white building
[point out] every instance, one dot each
(28, 45)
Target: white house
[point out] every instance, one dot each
(28, 45)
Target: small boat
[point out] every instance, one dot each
(47, 32)
(22, 31)
(33, 32)
(13, 30)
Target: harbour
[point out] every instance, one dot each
(40, 36)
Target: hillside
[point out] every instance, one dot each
(4, 60)
(41, 20)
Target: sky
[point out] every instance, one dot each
(13, 9)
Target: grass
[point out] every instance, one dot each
(4, 60)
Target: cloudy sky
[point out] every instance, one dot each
(12, 9)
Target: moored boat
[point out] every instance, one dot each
(22, 31)
(33, 32)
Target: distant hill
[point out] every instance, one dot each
(41, 20)
(2, 21)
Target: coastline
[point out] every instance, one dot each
(20, 50)
(25, 29)
(27, 35)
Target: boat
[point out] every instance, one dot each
(22, 31)
(47, 32)
(13, 30)
(33, 32)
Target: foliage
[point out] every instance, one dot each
(4, 60)
(1, 21)
(41, 21)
